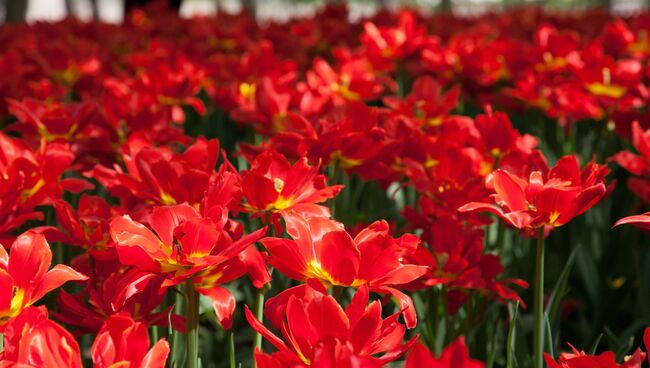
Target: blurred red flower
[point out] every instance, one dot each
(455, 355)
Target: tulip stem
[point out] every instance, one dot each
(259, 314)
(538, 306)
(231, 348)
(192, 337)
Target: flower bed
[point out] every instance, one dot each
(411, 189)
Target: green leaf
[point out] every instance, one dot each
(594, 347)
(549, 336)
(560, 289)
(512, 333)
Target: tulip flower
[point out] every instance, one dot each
(115, 289)
(30, 178)
(351, 80)
(318, 332)
(580, 359)
(457, 260)
(186, 246)
(385, 46)
(86, 227)
(543, 200)
(638, 165)
(427, 105)
(454, 355)
(160, 177)
(32, 340)
(273, 185)
(91, 137)
(24, 275)
(124, 342)
(322, 249)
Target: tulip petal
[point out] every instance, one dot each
(6, 292)
(265, 332)
(519, 220)
(405, 303)
(357, 305)
(29, 259)
(642, 221)
(54, 278)
(156, 356)
(285, 257)
(509, 191)
(223, 303)
(137, 245)
(165, 219)
(339, 258)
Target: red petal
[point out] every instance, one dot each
(54, 278)
(339, 257)
(642, 221)
(157, 355)
(405, 303)
(419, 357)
(29, 259)
(223, 303)
(259, 327)
(509, 191)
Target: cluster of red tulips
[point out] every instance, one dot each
(216, 192)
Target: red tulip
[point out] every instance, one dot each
(638, 165)
(273, 185)
(322, 249)
(426, 105)
(186, 245)
(541, 200)
(124, 342)
(579, 359)
(457, 260)
(32, 340)
(453, 356)
(387, 45)
(326, 86)
(86, 227)
(30, 178)
(157, 176)
(114, 289)
(79, 124)
(320, 333)
(24, 275)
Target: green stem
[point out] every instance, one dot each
(192, 334)
(231, 348)
(501, 232)
(538, 306)
(259, 314)
(155, 334)
(177, 352)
